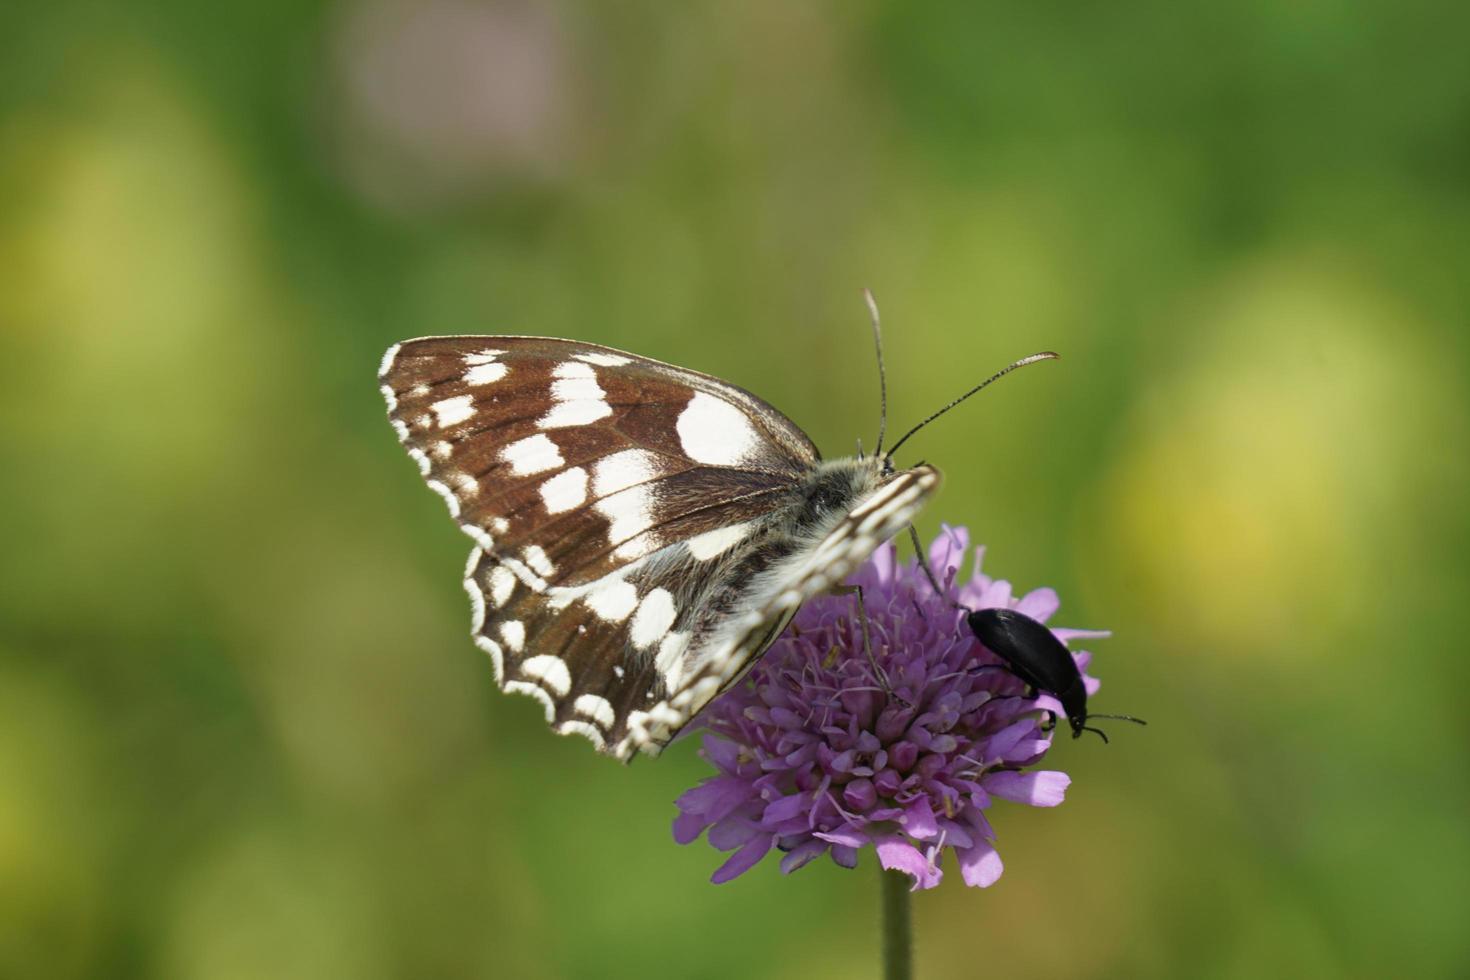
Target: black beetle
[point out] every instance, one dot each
(1037, 657)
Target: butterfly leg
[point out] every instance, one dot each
(924, 563)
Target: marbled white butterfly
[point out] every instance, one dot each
(642, 532)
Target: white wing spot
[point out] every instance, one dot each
(587, 731)
(713, 431)
(477, 601)
(499, 525)
(579, 398)
(551, 671)
(477, 534)
(533, 454)
(484, 374)
(497, 658)
(389, 356)
(670, 659)
(486, 356)
(447, 494)
(573, 369)
(539, 563)
(441, 449)
(463, 484)
(629, 514)
(536, 691)
(603, 360)
(598, 708)
(613, 599)
(654, 617)
(577, 389)
(566, 414)
(513, 632)
(711, 543)
(622, 470)
(452, 411)
(626, 504)
(564, 491)
(502, 584)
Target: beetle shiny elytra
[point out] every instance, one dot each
(1034, 654)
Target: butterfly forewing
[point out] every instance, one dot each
(631, 519)
(602, 455)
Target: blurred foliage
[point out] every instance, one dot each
(242, 730)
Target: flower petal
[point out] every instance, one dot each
(802, 854)
(688, 827)
(1065, 634)
(980, 865)
(1039, 604)
(845, 836)
(715, 799)
(744, 859)
(1004, 740)
(883, 563)
(1041, 788)
(722, 753)
(786, 807)
(947, 552)
(918, 820)
(897, 854)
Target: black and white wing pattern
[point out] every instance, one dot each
(641, 532)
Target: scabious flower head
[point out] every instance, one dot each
(814, 756)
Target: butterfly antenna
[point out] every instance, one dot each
(882, 378)
(1045, 355)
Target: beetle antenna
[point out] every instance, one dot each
(1096, 731)
(1136, 721)
(1045, 355)
(882, 377)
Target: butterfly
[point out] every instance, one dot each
(642, 532)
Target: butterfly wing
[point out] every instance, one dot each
(605, 493)
(639, 528)
(578, 458)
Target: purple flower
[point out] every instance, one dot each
(814, 757)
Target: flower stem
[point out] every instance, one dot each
(898, 945)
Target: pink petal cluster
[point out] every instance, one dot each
(815, 756)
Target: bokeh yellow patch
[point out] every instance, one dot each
(1259, 486)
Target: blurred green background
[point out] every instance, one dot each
(243, 732)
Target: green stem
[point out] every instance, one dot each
(898, 942)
